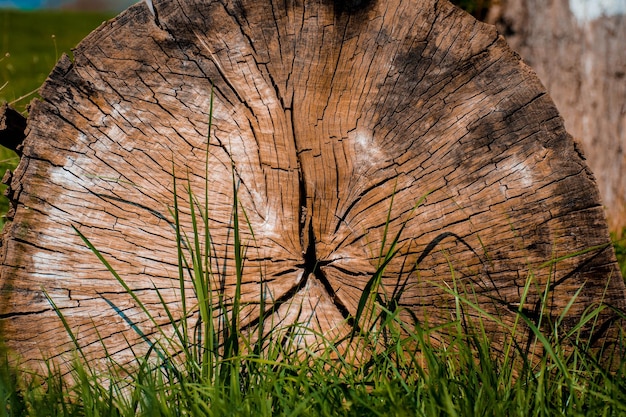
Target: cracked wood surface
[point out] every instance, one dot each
(583, 66)
(331, 119)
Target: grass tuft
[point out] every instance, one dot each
(206, 366)
(203, 364)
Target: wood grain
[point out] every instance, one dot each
(335, 120)
(583, 66)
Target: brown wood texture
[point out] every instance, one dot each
(331, 118)
(582, 63)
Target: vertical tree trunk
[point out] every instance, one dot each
(338, 128)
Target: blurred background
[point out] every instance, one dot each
(93, 5)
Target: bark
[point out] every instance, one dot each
(579, 52)
(342, 126)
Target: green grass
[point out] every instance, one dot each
(30, 45)
(619, 244)
(221, 371)
(207, 366)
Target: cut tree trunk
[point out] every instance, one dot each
(341, 125)
(578, 49)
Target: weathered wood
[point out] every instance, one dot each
(578, 49)
(333, 117)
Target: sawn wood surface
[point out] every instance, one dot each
(340, 124)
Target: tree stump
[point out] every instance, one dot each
(340, 125)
